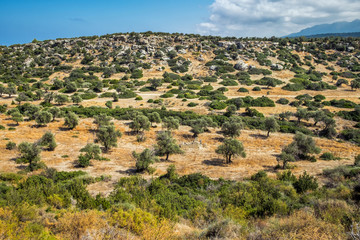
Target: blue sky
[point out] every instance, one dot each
(23, 20)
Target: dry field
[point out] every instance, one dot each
(199, 154)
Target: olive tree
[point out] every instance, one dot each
(48, 140)
(154, 118)
(43, 117)
(232, 127)
(144, 160)
(92, 150)
(108, 135)
(17, 117)
(230, 148)
(299, 149)
(71, 120)
(271, 125)
(166, 145)
(76, 98)
(30, 153)
(201, 125)
(171, 123)
(140, 123)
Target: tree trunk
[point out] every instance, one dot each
(268, 133)
(167, 157)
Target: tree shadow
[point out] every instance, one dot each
(64, 129)
(270, 168)
(130, 171)
(12, 125)
(219, 139)
(215, 162)
(259, 136)
(131, 133)
(21, 167)
(187, 136)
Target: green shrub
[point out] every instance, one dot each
(10, 145)
(192, 104)
(256, 89)
(327, 156)
(84, 160)
(282, 101)
(305, 182)
(219, 105)
(138, 98)
(243, 90)
(167, 95)
(357, 160)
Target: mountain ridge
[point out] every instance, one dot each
(332, 28)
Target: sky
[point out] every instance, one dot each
(23, 20)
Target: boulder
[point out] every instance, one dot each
(276, 67)
(240, 65)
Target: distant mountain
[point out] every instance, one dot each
(352, 34)
(336, 27)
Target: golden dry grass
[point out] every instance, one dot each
(199, 154)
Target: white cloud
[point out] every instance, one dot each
(274, 17)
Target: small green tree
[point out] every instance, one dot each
(10, 145)
(2, 90)
(144, 160)
(17, 117)
(76, 98)
(30, 153)
(71, 120)
(140, 123)
(285, 115)
(92, 150)
(300, 148)
(232, 127)
(102, 120)
(108, 136)
(154, 118)
(70, 87)
(61, 99)
(355, 84)
(305, 182)
(318, 116)
(357, 160)
(271, 125)
(230, 110)
(109, 104)
(229, 148)
(155, 83)
(171, 123)
(166, 145)
(48, 140)
(201, 125)
(56, 112)
(115, 97)
(302, 113)
(83, 160)
(11, 89)
(43, 117)
(22, 97)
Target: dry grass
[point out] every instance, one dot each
(199, 154)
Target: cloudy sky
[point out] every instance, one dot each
(274, 17)
(22, 20)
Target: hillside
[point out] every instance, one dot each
(101, 98)
(333, 28)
